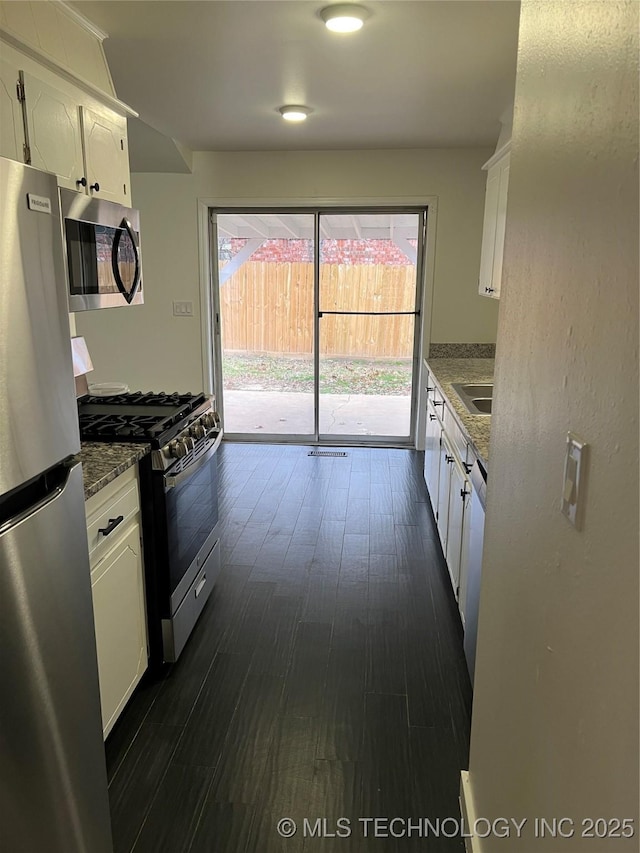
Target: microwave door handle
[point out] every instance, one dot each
(128, 294)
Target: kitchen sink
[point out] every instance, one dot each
(477, 399)
(483, 405)
(475, 390)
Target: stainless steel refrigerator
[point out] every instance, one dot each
(53, 783)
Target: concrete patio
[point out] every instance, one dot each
(291, 413)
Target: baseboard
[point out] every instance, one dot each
(468, 811)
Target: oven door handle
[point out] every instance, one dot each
(172, 482)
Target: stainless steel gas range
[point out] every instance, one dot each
(179, 495)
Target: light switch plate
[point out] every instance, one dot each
(183, 309)
(574, 480)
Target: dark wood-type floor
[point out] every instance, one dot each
(325, 678)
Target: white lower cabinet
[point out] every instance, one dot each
(448, 460)
(456, 481)
(444, 485)
(117, 584)
(469, 550)
(432, 441)
(471, 572)
(459, 489)
(118, 608)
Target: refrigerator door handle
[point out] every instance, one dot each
(59, 480)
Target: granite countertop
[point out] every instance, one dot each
(102, 462)
(469, 370)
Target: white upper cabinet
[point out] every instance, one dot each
(53, 128)
(493, 231)
(11, 127)
(63, 117)
(106, 155)
(85, 147)
(489, 231)
(501, 221)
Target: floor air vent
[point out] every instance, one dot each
(325, 453)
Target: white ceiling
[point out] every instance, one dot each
(421, 73)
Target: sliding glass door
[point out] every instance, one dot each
(317, 321)
(367, 331)
(266, 319)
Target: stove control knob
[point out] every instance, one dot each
(198, 431)
(188, 442)
(178, 449)
(209, 420)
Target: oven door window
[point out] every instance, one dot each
(192, 513)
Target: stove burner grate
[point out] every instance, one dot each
(145, 398)
(120, 426)
(137, 415)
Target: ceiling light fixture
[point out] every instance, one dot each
(344, 17)
(293, 112)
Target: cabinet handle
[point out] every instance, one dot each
(95, 187)
(200, 586)
(113, 523)
(427, 389)
(432, 417)
(448, 459)
(464, 493)
(437, 403)
(82, 182)
(467, 467)
(489, 289)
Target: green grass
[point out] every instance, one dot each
(337, 376)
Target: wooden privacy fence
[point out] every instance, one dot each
(268, 308)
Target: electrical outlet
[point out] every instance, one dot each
(183, 309)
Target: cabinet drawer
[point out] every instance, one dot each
(436, 405)
(457, 439)
(103, 524)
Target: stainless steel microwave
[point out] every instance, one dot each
(102, 252)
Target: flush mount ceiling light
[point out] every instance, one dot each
(294, 112)
(344, 17)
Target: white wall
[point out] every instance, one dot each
(149, 348)
(555, 715)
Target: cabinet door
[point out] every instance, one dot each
(432, 456)
(458, 491)
(469, 603)
(465, 555)
(444, 480)
(11, 126)
(53, 127)
(501, 221)
(485, 283)
(119, 614)
(106, 155)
